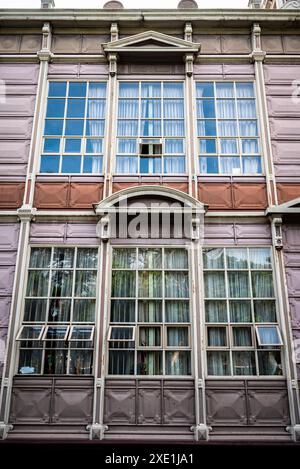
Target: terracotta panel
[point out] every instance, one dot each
(30, 43)
(249, 196)
(66, 44)
(236, 44)
(216, 195)
(272, 43)
(179, 406)
(226, 407)
(51, 195)
(72, 405)
(83, 195)
(268, 407)
(11, 195)
(291, 43)
(288, 192)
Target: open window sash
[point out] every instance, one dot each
(268, 336)
(30, 333)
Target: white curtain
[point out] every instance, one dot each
(84, 311)
(176, 259)
(128, 109)
(214, 284)
(224, 90)
(230, 165)
(243, 363)
(229, 146)
(242, 336)
(128, 128)
(97, 90)
(265, 311)
(269, 363)
(237, 258)
(127, 146)
(249, 146)
(252, 165)
(151, 90)
(178, 363)
(128, 90)
(218, 363)
(217, 337)
(173, 109)
(176, 285)
(174, 164)
(226, 109)
(246, 109)
(177, 337)
(177, 311)
(151, 108)
(94, 146)
(248, 128)
(174, 146)
(121, 362)
(227, 128)
(150, 165)
(238, 284)
(151, 128)
(215, 311)
(150, 311)
(150, 284)
(240, 311)
(173, 90)
(85, 283)
(174, 128)
(245, 90)
(94, 128)
(206, 108)
(123, 284)
(262, 284)
(96, 109)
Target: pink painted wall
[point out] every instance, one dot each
(237, 233)
(64, 233)
(9, 234)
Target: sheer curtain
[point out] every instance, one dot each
(214, 283)
(95, 128)
(224, 90)
(262, 284)
(227, 128)
(123, 284)
(174, 164)
(150, 311)
(246, 109)
(127, 164)
(216, 311)
(177, 337)
(252, 165)
(128, 109)
(243, 363)
(151, 108)
(96, 109)
(229, 146)
(128, 128)
(178, 363)
(218, 363)
(177, 311)
(174, 128)
(226, 109)
(173, 109)
(176, 285)
(128, 90)
(240, 311)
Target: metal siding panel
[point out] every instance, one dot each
(226, 407)
(11, 195)
(15, 128)
(30, 405)
(18, 106)
(72, 405)
(51, 195)
(6, 279)
(179, 406)
(14, 151)
(149, 406)
(268, 407)
(255, 231)
(216, 195)
(250, 196)
(287, 192)
(19, 73)
(83, 195)
(281, 74)
(4, 311)
(9, 235)
(236, 44)
(119, 405)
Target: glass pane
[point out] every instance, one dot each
(56, 333)
(71, 164)
(236, 258)
(124, 259)
(174, 146)
(92, 164)
(127, 146)
(94, 145)
(151, 128)
(128, 128)
(77, 89)
(121, 362)
(265, 311)
(63, 258)
(30, 362)
(248, 128)
(269, 363)
(173, 90)
(126, 165)
(149, 363)
(55, 108)
(225, 90)
(209, 165)
(150, 284)
(174, 128)
(208, 146)
(151, 109)
(129, 109)
(35, 310)
(87, 258)
(238, 285)
(49, 164)
(51, 145)
(177, 285)
(240, 311)
(213, 258)
(61, 283)
(242, 336)
(84, 311)
(218, 363)
(216, 337)
(128, 90)
(150, 165)
(228, 146)
(260, 258)
(243, 363)
(53, 127)
(177, 311)
(230, 165)
(40, 258)
(149, 311)
(226, 109)
(214, 284)
(178, 363)
(81, 333)
(174, 164)
(173, 109)
(216, 311)
(177, 337)
(250, 146)
(74, 127)
(149, 337)
(85, 284)
(206, 108)
(262, 284)
(268, 335)
(94, 128)
(207, 128)
(121, 333)
(55, 362)
(72, 145)
(37, 284)
(123, 285)
(252, 165)
(227, 128)
(30, 332)
(150, 259)
(81, 362)
(205, 90)
(151, 90)
(59, 310)
(244, 90)
(97, 90)
(246, 109)
(76, 108)
(176, 259)
(96, 109)
(122, 311)
(57, 88)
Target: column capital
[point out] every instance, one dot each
(26, 213)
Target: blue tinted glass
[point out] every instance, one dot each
(206, 108)
(173, 90)
(207, 146)
(76, 108)
(227, 128)
(150, 165)
(248, 128)
(77, 89)
(174, 164)
(129, 90)
(150, 128)
(127, 128)
(55, 108)
(151, 90)
(228, 146)
(230, 165)
(205, 90)
(94, 128)
(126, 164)
(127, 146)
(97, 90)
(71, 164)
(57, 88)
(151, 108)
(209, 165)
(174, 146)
(245, 90)
(96, 108)
(252, 165)
(250, 146)
(51, 145)
(174, 128)
(225, 90)
(53, 127)
(128, 109)
(74, 127)
(72, 145)
(49, 164)
(94, 146)
(207, 128)
(92, 164)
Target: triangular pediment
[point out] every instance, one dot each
(151, 41)
(292, 206)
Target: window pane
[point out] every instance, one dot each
(123, 284)
(35, 310)
(213, 258)
(149, 363)
(174, 128)
(214, 284)
(30, 362)
(150, 259)
(94, 128)
(92, 164)
(150, 165)
(218, 363)
(236, 258)
(246, 109)
(81, 333)
(269, 363)
(87, 258)
(174, 146)
(85, 284)
(81, 362)
(243, 363)
(176, 285)
(216, 337)
(252, 165)
(94, 145)
(61, 284)
(84, 311)
(228, 146)
(71, 164)
(55, 108)
(268, 335)
(238, 284)
(128, 128)
(242, 336)
(97, 90)
(207, 128)
(56, 333)
(59, 310)
(49, 164)
(55, 362)
(151, 109)
(37, 284)
(63, 258)
(122, 311)
(240, 311)
(176, 259)
(151, 128)
(244, 90)
(121, 333)
(174, 165)
(177, 311)
(206, 108)
(248, 128)
(121, 362)
(74, 127)
(207, 146)
(260, 258)
(250, 146)
(230, 165)
(151, 90)
(209, 165)
(40, 257)
(127, 146)
(262, 284)
(128, 90)
(265, 311)
(51, 145)
(150, 284)
(76, 108)
(173, 109)
(53, 127)
(227, 128)
(226, 109)
(178, 363)
(77, 89)
(205, 90)
(96, 109)
(177, 337)
(149, 311)
(124, 259)
(215, 311)
(149, 337)
(57, 88)
(173, 90)
(128, 109)
(224, 90)
(73, 145)
(126, 164)
(31, 332)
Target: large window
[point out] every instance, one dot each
(242, 335)
(149, 330)
(74, 128)
(227, 128)
(59, 312)
(151, 128)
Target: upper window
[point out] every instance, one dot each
(59, 312)
(74, 128)
(227, 127)
(151, 128)
(242, 334)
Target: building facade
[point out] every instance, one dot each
(149, 220)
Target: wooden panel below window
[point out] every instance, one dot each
(288, 192)
(217, 195)
(59, 195)
(250, 196)
(11, 195)
(83, 195)
(233, 196)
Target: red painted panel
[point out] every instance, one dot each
(288, 192)
(11, 195)
(249, 196)
(51, 195)
(83, 195)
(216, 195)
(180, 186)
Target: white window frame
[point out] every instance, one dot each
(77, 326)
(25, 326)
(279, 344)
